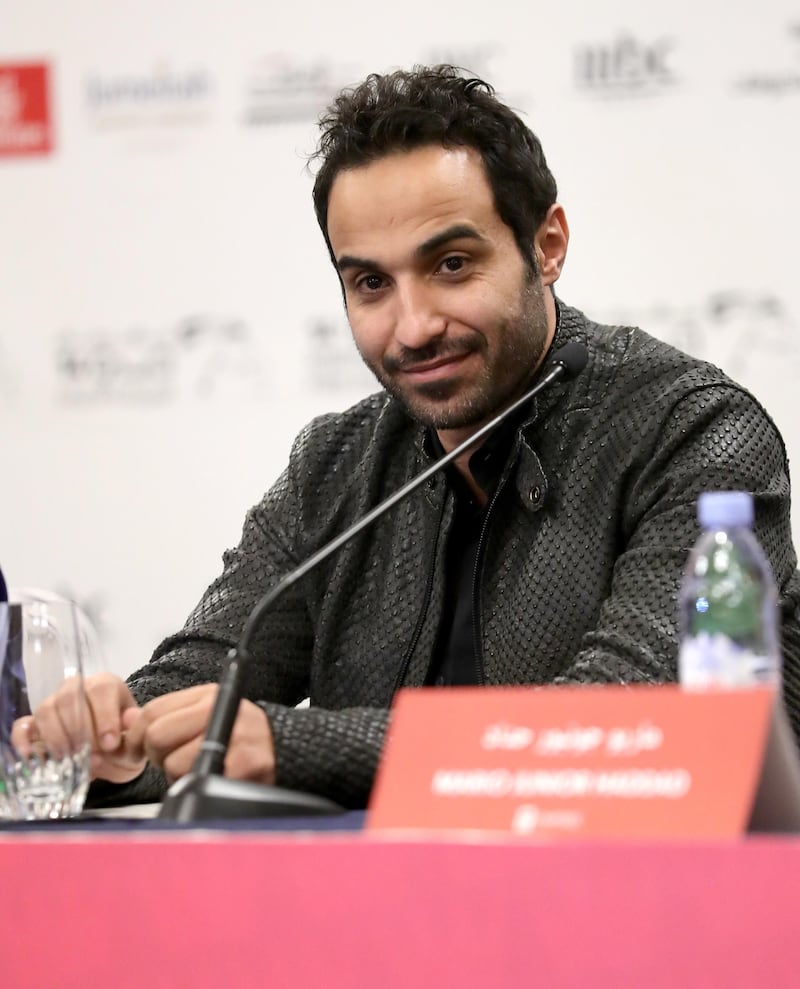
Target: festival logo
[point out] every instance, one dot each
(203, 358)
(781, 77)
(333, 363)
(721, 329)
(158, 98)
(625, 67)
(25, 115)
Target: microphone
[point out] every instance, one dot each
(205, 793)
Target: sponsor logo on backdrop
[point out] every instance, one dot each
(625, 67)
(161, 96)
(332, 361)
(26, 126)
(474, 59)
(201, 358)
(781, 79)
(282, 88)
(738, 331)
(481, 60)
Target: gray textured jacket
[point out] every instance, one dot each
(580, 559)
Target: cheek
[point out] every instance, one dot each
(371, 333)
(481, 309)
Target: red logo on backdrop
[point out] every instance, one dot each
(25, 121)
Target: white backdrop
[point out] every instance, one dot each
(168, 316)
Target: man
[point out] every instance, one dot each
(551, 554)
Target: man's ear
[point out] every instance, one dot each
(551, 242)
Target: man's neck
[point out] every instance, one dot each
(451, 438)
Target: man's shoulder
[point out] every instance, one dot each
(376, 422)
(623, 359)
(376, 411)
(633, 375)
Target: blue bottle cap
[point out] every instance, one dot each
(725, 509)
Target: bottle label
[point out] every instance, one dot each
(712, 659)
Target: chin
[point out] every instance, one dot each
(445, 417)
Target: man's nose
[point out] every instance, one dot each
(418, 318)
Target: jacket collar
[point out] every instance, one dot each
(531, 480)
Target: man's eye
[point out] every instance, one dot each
(453, 263)
(371, 283)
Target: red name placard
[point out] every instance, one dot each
(577, 762)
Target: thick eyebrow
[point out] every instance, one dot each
(459, 231)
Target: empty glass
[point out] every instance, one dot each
(43, 647)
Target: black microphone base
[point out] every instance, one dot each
(212, 797)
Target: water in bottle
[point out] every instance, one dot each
(728, 601)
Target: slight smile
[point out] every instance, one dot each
(443, 367)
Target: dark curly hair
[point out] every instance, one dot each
(439, 104)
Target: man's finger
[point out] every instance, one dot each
(61, 734)
(23, 736)
(180, 761)
(169, 732)
(166, 703)
(107, 696)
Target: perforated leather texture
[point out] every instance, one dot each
(582, 556)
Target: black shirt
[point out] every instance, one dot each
(457, 658)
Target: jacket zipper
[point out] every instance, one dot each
(426, 601)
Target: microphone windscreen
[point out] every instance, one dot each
(572, 357)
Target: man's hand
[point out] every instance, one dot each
(59, 723)
(169, 729)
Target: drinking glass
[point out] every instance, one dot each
(43, 647)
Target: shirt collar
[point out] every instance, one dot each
(487, 462)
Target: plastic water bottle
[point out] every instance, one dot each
(728, 601)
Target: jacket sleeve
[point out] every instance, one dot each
(714, 438)
(333, 753)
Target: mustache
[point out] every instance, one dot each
(437, 350)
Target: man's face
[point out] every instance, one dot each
(443, 308)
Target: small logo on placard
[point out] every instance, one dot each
(25, 115)
(625, 67)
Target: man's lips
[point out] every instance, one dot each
(441, 367)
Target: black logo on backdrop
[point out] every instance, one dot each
(776, 81)
(202, 357)
(625, 67)
(735, 330)
(333, 363)
(283, 89)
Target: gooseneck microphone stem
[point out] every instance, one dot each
(568, 361)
